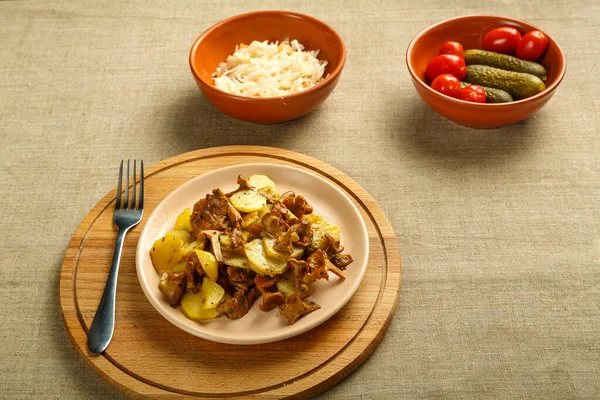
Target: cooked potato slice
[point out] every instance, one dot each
(254, 217)
(286, 284)
(181, 234)
(225, 240)
(320, 229)
(180, 266)
(166, 252)
(182, 223)
(269, 243)
(237, 261)
(166, 285)
(263, 211)
(250, 219)
(263, 184)
(212, 293)
(260, 262)
(195, 245)
(245, 235)
(191, 305)
(248, 201)
(209, 264)
(225, 297)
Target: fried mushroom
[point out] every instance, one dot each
(235, 307)
(297, 204)
(294, 307)
(272, 223)
(213, 236)
(297, 235)
(237, 242)
(180, 283)
(191, 269)
(341, 260)
(319, 266)
(271, 297)
(299, 270)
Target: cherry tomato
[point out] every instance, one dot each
(501, 40)
(532, 45)
(472, 93)
(446, 84)
(453, 48)
(446, 64)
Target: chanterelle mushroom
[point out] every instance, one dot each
(243, 185)
(299, 269)
(235, 218)
(237, 242)
(298, 234)
(297, 204)
(180, 281)
(271, 298)
(320, 265)
(191, 266)
(294, 307)
(332, 246)
(272, 223)
(213, 236)
(341, 260)
(235, 307)
(214, 212)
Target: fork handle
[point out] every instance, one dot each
(103, 326)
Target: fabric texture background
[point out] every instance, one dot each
(499, 230)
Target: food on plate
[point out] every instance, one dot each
(501, 40)
(446, 64)
(532, 45)
(183, 221)
(166, 252)
(492, 95)
(264, 69)
(234, 248)
(472, 93)
(518, 84)
(446, 84)
(452, 48)
(503, 61)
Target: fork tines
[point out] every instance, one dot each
(140, 193)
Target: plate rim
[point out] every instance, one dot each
(159, 307)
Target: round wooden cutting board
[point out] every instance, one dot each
(151, 358)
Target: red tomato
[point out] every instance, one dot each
(446, 84)
(446, 64)
(501, 40)
(532, 45)
(453, 48)
(472, 93)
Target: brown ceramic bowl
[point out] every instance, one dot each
(469, 31)
(217, 42)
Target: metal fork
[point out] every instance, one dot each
(125, 217)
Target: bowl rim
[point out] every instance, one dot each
(547, 91)
(330, 78)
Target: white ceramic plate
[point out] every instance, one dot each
(257, 326)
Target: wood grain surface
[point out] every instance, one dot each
(150, 358)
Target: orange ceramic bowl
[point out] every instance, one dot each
(217, 42)
(469, 31)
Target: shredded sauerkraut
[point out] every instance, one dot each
(264, 69)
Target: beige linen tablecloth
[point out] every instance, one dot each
(498, 229)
